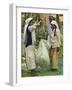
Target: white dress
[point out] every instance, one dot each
(30, 50)
(30, 57)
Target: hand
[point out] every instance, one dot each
(37, 23)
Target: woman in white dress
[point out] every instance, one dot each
(29, 41)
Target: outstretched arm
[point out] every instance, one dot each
(33, 27)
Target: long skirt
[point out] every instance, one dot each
(30, 57)
(54, 59)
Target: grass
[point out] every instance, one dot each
(43, 71)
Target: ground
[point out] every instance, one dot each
(43, 71)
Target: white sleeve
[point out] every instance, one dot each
(49, 42)
(33, 37)
(32, 27)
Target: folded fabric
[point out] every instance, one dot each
(42, 54)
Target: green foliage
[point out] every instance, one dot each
(40, 34)
(60, 50)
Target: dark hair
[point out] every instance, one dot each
(55, 30)
(51, 18)
(54, 27)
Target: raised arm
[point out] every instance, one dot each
(33, 27)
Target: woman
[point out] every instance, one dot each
(55, 42)
(29, 41)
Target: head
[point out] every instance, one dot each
(51, 18)
(28, 20)
(54, 25)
